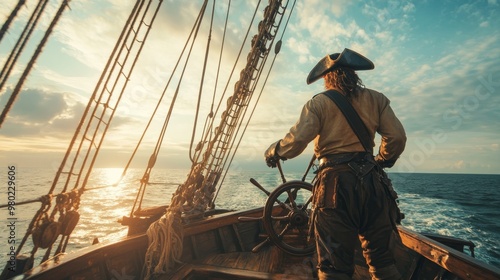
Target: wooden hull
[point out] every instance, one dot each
(220, 247)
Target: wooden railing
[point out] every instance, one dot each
(458, 263)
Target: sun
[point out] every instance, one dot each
(110, 176)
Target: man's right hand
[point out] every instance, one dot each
(272, 161)
(271, 155)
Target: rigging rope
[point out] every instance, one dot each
(201, 84)
(21, 42)
(46, 228)
(9, 20)
(157, 105)
(195, 195)
(210, 117)
(145, 179)
(31, 63)
(277, 49)
(207, 138)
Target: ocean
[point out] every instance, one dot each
(460, 205)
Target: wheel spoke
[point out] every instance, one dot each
(292, 199)
(307, 202)
(289, 221)
(283, 205)
(287, 227)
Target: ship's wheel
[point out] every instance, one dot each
(287, 218)
(287, 215)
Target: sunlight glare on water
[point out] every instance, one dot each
(106, 200)
(438, 208)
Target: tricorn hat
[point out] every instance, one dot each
(348, 58)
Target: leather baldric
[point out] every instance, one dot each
(357, 125)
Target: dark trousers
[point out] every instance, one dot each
(349, 206)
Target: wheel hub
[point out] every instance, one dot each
(298, 218)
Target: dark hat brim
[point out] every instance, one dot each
(348, 58)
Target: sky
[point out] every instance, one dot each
(437, 61)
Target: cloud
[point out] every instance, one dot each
(476, 12)
(419, 74)
(86, 36)
(484, 24)
(388, 14)
(459, 165)
(35, 107)
(45, 117)
(409, 7)
(36, 111)
(301, 48)
(465, 8)
(319, 23)
(448, 87)
(339, 7)
(426, 80)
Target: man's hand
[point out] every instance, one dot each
(272, 161)
(271, 155)
(384, 163)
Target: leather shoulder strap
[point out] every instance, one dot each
(352, 117)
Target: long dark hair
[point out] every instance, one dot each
(344, 79)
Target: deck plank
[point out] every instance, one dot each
(209, 272)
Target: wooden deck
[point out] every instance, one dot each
(270, 263)
(220, 247)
